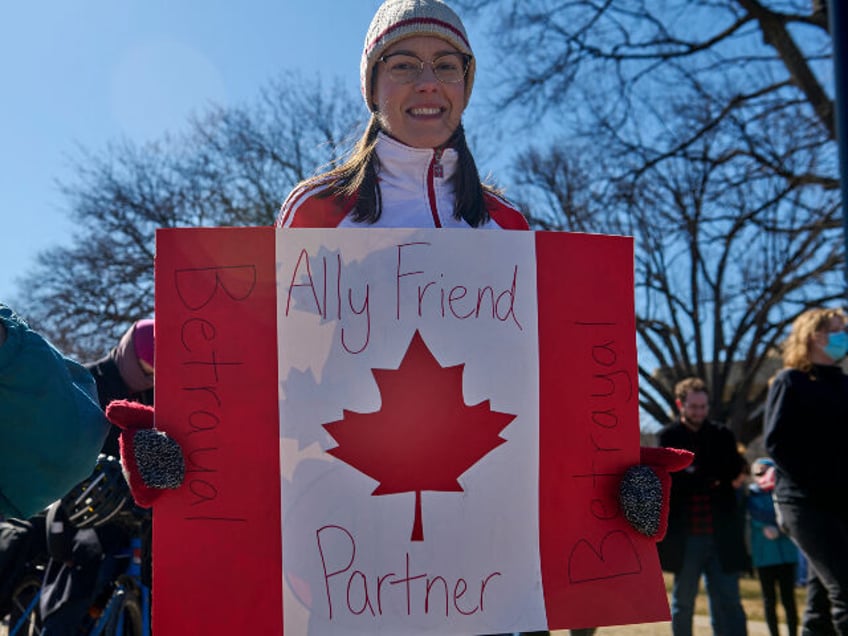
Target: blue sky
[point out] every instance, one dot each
(85, 73)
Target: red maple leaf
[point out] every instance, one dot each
(424, 436)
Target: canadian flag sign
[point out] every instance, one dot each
(398, 432)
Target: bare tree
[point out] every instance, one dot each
(231, 167)
(705, 131)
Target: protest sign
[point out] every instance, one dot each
(398, 431)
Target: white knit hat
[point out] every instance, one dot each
(399, 19)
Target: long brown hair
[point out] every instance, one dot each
(357, 177)
(796, 349)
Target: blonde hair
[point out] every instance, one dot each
(796, 349)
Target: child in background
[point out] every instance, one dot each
(773, 553)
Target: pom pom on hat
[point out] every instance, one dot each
(399, 19)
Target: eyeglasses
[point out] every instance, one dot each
(405, 68)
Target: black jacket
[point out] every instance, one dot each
(717, 463)
(806, 433)
(111, 386)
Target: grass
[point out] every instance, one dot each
(752, 599)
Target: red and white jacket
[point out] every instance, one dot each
(415, 190)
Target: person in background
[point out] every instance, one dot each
(774, 555)
(806, 434)
(125, 373)
(706, 523)
(52, 427)
(85, 531)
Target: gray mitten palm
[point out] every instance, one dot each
(159, 459)
(152, 461)
(645, 489)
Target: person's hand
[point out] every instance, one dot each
(771, 532)
(152, 461)
(645, 489)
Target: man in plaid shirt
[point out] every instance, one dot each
(706, 522)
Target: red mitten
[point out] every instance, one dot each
(152, 461)
(645, 489)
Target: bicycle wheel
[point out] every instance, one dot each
(24, 619)
(127, 619)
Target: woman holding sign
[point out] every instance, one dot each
(412, 168)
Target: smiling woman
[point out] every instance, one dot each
(412, 167)
(420, 102)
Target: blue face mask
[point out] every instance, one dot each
(837, 345)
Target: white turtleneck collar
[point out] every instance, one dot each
(398, 157)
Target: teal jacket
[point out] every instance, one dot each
(765, 551)
(51, 424)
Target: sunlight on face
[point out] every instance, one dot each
(425, 112)
(694, 409)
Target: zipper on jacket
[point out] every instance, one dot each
(436, 171)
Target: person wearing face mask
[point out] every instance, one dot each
(806, 433)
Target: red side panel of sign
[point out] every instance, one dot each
(217, 539)
(595, 569)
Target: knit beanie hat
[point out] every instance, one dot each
(399, 19)
(127, 358)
